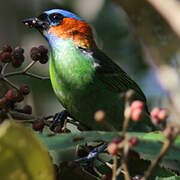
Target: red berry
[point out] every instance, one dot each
(137, 105)
(25, 89)
(155, 112)
(163, 114)
(38, 126)
(112, 148)
(5, 57)
(12, 95)
(136, 115)
(133, 141)
(116, 140)
(27, 109)
(7, 48)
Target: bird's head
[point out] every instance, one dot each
(63, 25)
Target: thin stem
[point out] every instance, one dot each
(163, 151)
(36, 76)
(114, 167)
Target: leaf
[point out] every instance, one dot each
(23, 156)
(148, 147)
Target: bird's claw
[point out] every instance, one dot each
(92, 155)
(59, 118)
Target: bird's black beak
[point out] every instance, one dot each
(36, 23)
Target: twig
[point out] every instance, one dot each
(167, 144)
(114, 167)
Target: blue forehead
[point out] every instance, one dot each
(65, 13)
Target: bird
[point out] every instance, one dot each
(83, 77)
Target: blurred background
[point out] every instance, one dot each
(114, 33)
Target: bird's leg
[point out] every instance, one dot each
(59, 117)
(92, 155)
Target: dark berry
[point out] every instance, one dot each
(43, 50)
(25, 89)
(27, 109)
(38, 126)
(7, 48)
(17, 62)
(19, 50)
(5, 57)
(35, 54)
(20, 96)
(44, 59)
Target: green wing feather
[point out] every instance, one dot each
(113, 76)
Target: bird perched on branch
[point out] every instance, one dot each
(83, 78)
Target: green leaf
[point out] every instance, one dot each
(148, 147)
(23, 157)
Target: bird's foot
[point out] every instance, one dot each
(59, 119)
(91, 156)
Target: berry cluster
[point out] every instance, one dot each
(39, 54)
(135, 111)
(15, 57)
(15, 96)
(159, 115)
(117, 144)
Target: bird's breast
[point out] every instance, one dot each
(72, 73)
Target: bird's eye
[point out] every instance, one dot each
(56, 18)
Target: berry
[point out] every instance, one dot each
(137, 105)
(18, 50)
(5, 57)
(20, 97)
(17, 61)
(133, 141)
(112, 148)
(44, 59)
(136, 115)
(43, 50)
(100, 116)
(25, 89)
(155, 112)
(116, 140)
(38, 126)
(35, 54)
(27, 109)
(12, 95)
(7, 48)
